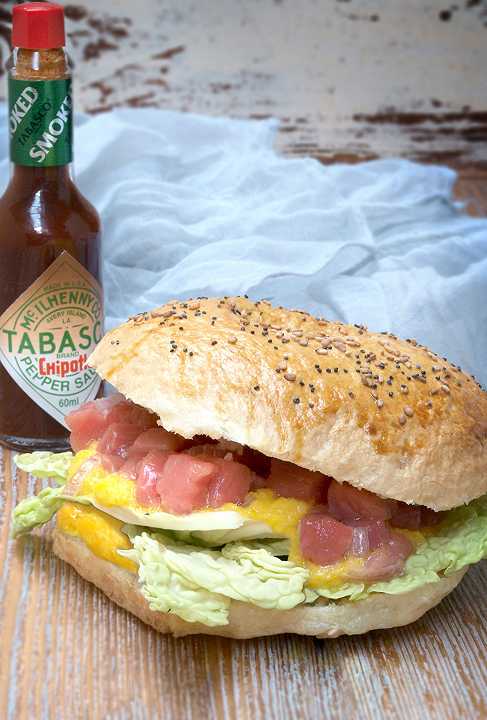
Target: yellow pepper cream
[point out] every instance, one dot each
(102, 533)
(109, 489)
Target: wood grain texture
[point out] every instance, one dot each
(345, 78)
(68, 652)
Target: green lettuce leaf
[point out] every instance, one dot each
(197, 584)
(459, 541)
(38, 509)
(169, 591)
(34, 511)
(46, 465)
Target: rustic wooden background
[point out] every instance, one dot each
(349, 80)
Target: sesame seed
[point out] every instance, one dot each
(296, 401)
(321, 351)
(402, 419)
(303, 342)
(290, 376)
(408, 410)
(380, 403)
(232, 339)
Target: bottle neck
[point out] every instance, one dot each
(57, 178)
(51, 64)
(40, 115)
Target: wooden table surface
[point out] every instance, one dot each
(348, 80)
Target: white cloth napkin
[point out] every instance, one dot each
(195, 205)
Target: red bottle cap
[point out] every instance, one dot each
(38, 26)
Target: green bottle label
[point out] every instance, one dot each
(41, 122)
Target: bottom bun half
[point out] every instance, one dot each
(327, 620)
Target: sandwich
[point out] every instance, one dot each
(262, 471)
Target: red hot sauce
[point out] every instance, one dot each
(51, 313)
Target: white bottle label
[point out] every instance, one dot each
(48, 333)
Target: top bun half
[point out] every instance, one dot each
(369, 409)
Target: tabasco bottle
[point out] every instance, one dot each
(50, 299)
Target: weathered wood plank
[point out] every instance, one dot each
(346, 79)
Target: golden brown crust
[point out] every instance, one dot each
(367, 408)
(247, 621)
